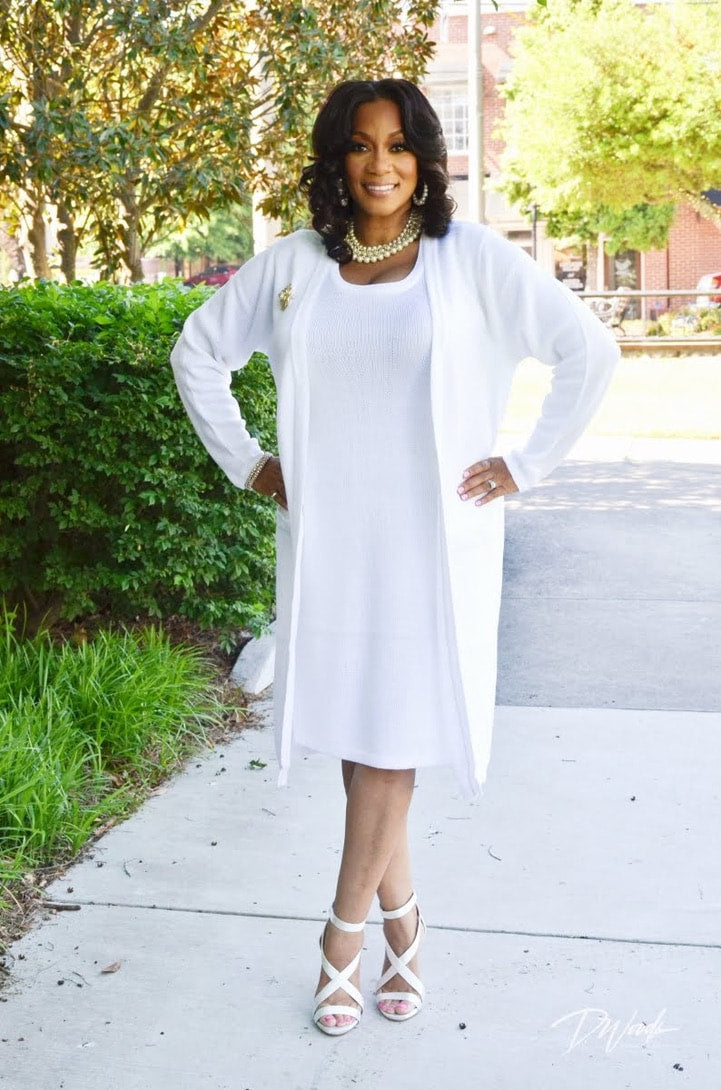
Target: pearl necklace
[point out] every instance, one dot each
(366, 255)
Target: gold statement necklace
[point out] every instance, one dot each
(366, 255)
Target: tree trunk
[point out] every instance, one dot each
(133, 256)
(39, 244)
(108, 256)
(601, 263)
(130, 235)
(68, 239)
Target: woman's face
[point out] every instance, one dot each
(381, 173)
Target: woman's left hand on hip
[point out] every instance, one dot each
(486, 481)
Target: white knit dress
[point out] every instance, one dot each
(372, 649)
(358, 552)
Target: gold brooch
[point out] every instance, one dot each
(284, 296)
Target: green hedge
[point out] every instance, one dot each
(108, 501)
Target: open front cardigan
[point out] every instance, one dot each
(491, 307)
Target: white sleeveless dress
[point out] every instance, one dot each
(372, 648)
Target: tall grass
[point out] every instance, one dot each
(85, 730)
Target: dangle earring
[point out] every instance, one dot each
(342, 193)
(420, 201)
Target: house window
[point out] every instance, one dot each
(451, 105)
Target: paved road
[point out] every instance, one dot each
(612, 592)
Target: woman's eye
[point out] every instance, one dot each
(399, 145)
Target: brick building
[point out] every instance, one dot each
(694, 247)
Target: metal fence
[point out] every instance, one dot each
(690, 317)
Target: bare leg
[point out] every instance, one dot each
(376, 808)
(394, 889)
(396, 884)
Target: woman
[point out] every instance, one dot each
(393, 334)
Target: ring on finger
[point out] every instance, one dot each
(491, 485)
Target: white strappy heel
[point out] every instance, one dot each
(338, 979)
(399, 966)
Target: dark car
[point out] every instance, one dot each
(214, 274)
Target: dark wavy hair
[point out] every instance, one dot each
(331, 137)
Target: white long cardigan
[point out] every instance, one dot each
(491, 307)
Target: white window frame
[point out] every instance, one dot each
(450, 101)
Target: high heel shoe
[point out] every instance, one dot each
(338, 980)
(399, 966)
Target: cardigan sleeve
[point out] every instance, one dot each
(538, 316)
(217, 339)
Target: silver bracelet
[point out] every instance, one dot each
(256, 470)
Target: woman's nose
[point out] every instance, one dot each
(379, 161)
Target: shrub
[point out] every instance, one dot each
(108, 501)
(686, 321)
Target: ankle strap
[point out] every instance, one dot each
(396, 913)
(342, 925)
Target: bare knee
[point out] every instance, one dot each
(383, 779)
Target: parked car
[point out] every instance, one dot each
(708, 283)
(214, 274)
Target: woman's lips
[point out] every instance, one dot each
(380, 190)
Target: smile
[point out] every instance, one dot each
(380, 189)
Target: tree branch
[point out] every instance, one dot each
(195, 27)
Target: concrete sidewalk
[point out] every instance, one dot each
(574, 910)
